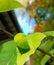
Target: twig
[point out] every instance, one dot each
(7, 33)
(11, 35)
(44, 52)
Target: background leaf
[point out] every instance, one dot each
(47, 45)
(46, 58)
(49, 33)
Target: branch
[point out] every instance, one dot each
(11, 35)
(7, 33)
(44, 52)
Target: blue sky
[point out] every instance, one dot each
(24, 21)
(26, 24)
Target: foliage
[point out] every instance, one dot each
(31, 43)
(8, 53)
(47, 45)
(46, 58)
(15, 52)
(22, 48)
(43, 12)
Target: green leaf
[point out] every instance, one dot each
(47, 45)
(49, 33)
(22, 43)
(46, 58)
(26, 46)
(33, 42)
(8, 55)
(7, 5)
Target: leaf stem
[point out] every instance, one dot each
(11, 35)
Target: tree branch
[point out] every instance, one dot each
(7, 33)
(44, 52)
(11, 35)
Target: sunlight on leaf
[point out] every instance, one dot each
(7, 5)
(22, 48)
(33, 41)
